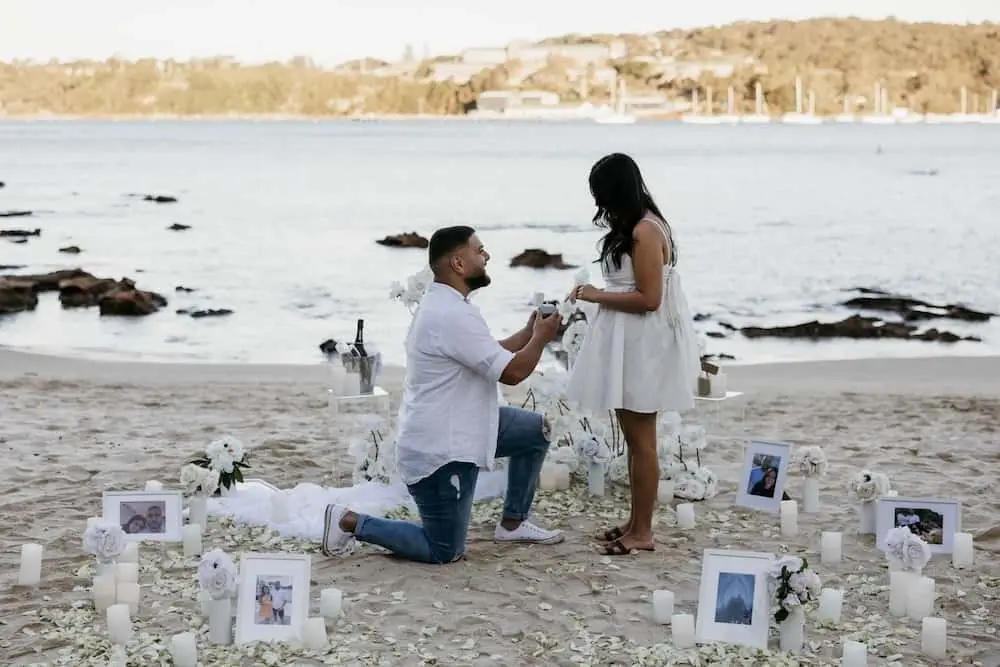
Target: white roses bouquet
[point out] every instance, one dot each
(867, 486)
(412, 293)
(573, 337)
(904, 548)
(217, 574)
(793, 584)
(591, 448)
(374, 454)
(811, 461)
(105, 540)
(228, 457)
(198, 481)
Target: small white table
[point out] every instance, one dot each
(379, 401)
(717, 402)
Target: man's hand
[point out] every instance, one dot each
(546, 328)
(530, 326)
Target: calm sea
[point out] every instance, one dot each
(773, 223)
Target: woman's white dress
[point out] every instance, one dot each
(646, 362)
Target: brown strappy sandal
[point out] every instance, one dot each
(609, 535)
(618, 548)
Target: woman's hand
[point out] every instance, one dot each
(584, 293)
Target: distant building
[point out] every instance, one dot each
(505, 102)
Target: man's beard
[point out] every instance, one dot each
(478, 281)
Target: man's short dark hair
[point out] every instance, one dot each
(446, 241)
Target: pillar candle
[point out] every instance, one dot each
(663, 606)
(220, 621)
(191, 538)
(831, 602)
(331, 602)
(789, 518)
(184, 650)
(665, 491)
(104, 592)
(129, 593)
(962, 555)
(831, 548)
(682, 630)
(810, 495)
(31, 565)
(119, 624)
(934, 638)
(314, 634)
(154, 485)
(900, 583)
(127, 573)
(131, 553)
(920, 601)
(595, 479)
(855, 654)
(685, 516)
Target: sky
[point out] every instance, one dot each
(332, 31)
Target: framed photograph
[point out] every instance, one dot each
(146, 515)
(273, 597)
(765, 471)
(734, 603)
(934, 520)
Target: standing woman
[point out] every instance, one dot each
(640, 356)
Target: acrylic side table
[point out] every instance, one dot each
(378, 402)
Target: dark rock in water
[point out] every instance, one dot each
(15, 214)
(20, 233)
(21, 240)
(11, 267)
(125, 300)
(404, 240)
(855, 327)
(16, 297)
(71, 250)
(536, 258)
(178, 227)
(328, 347)
(715, 334)
(717, 357)
(46, 282)
(181, 288)
(160, 199)
(208, 312)
(911, 309)
(2, 184)
(84, 291)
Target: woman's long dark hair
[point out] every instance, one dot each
(622, 199)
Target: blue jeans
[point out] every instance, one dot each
(444, 499)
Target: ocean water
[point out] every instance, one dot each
(773, 224)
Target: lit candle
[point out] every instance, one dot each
(831, 602)
(314, 634)
(920, 601)
(665, 491)
(119, 624)
(855, 654)
(31, 565)
(191, 538)
(934, 638)
(184, 650)
(717, 385)
(129, 593)
(900, 583)
(104, 592)
(962, 555)
(831, 548)
(810, 495)
(154, 485)
(331, 602)
(685, 516)
(127, 573)
(131, 553)
(595, 479)
(279, 507)
(682, 630)
(663, 606)
(789, 518)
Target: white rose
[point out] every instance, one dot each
(581, 277)
(791, 601)
(217, 574)
(868, 486)
(811, 461)
(396, 290)
(105, 540)
(791, 564)
(916, 552)
(210, 480)
(574, 336)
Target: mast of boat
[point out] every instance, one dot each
(965, 100)
(798, 94)
(731, 102)
(878, 98)
(758, 94)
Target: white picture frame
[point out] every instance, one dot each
(919, 515)
(154, 516)
(760, 457)
(730, 581)
(290, 576)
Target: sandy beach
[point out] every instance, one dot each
(72, 429)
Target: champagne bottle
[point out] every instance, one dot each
(359, 339)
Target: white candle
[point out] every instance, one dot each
(331, 602)
(663, 606)
(154, 485)
(920, 601)
(900, 583)
(131, 553)
(191, 538)
(129, 593)
(855, 654)
(204, 600)
(866, 518)
(127, 573)
(789, 518)
(314, 634)
(962, 555)
(685, 516)
(665, 491)
(682, 630)
(595, 479)
(831, 548)
(104, 591)
(119, 624)
(31, 565)
(198, 510)
(831, 602)
(220, 621)
(934, 638)
(184, 650)
(810, 495)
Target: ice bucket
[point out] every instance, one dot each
(367, 369)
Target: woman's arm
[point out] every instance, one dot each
(647, 261)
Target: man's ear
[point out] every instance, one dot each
(456, 263)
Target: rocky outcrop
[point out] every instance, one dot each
(78, 289)
(16, 297)
(404, 240)
(178, 227)
(16, 214)
(208, 312)
(912, 310)
(160, 199)
(20, 233)
(856, 327)
(84, 291)
(124, 299)
(536, 258)
(71, 250)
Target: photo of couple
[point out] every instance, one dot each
(274, 600)
(138, 518)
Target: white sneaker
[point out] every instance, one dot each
(336, 543)
(528, 533)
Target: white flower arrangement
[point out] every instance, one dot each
(573, 337)
(198, 481)
(867, 486)
(591, 449)
(228, 457)
(217, 574)
(792, 584)
(105, 540)
(811, 461)
(411, 294)
(374, 454)
(907, 550)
